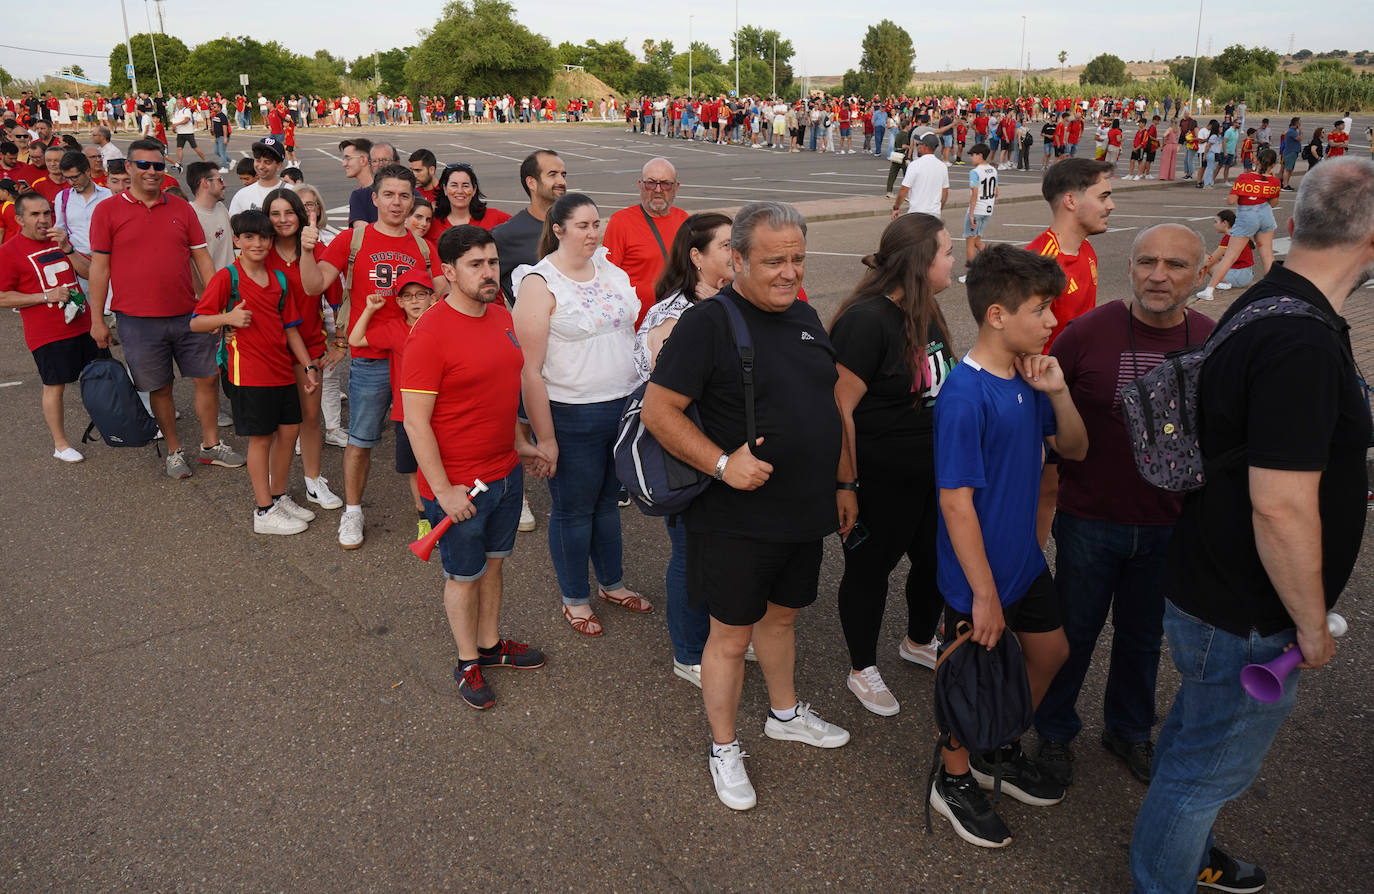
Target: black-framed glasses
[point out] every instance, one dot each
(145, 165)
(658, 185)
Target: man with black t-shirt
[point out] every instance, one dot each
(754, 536)
(1265, 548)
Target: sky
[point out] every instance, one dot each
(827, 36)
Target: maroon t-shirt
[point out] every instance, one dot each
(1098, 358)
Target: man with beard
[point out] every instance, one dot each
(460, 384)
(637, 238)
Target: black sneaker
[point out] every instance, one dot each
(1225, 873)
(513, 654)
(960, 801)
(1022, 778)
(1139, 756)
(1056, 761)
(474, 690)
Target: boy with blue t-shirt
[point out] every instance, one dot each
(997, 412)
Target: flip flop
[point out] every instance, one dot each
(632, 601)
(585, 626)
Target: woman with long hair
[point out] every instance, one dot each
(697, 268)
(288, 215)
(574, 318)
(893, 353)
(459, 200)
(1168, 156)
(1255, 195)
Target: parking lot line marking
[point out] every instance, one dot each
(9, 384)
(330, 154)
(564, 152)
(485, 152)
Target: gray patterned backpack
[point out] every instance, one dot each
(1161, 407)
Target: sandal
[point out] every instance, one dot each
(633, 601)
(585, 626)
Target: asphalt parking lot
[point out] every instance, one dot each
(191, 707)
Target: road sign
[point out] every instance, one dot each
(243, 80)
(128, 71)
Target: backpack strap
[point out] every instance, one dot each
(222, 355)
(355, 245)
(424, 250)
(281, 284)
(653, 228)
(744, 345)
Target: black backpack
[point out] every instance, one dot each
(982, 699)
(116, 410)
(659, 483)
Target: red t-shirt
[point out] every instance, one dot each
(150, 253)
(490, 219)
(9, 223)
(1075, 130)
(1247, 255)
(30, 266)
(1335, 144)
(289, 133)
(472, 367)
(1251, 188)
(1114, 137)
(45, 187)
(980, 124)
(273, 121)
(1080, 295)
(24, 171)
(1060, 133)
(308, 306)
(390, 335)
(257, 353)
(380, 262)
(631, 246)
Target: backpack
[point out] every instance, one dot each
(1160, 408)
(222, 354)
(108, 393)
(659, 483)
(982, 699)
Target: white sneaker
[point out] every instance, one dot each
(1223, 285)
(336, 437)
(732, 782)
(322, 495)
(1205, 294)
(351, 529)
(1149, 176)
(276, 521)
(868, 686)
(689, 672)
(526, 518)
(294, 509)
(749, 653)
(805, 727)
(68, 455)
(963, 278)
(923, 655)
(298, 446)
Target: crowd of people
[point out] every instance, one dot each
(499, 346)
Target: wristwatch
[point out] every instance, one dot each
(847, 485)
(719, 474)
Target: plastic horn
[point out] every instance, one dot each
(1265, 681)
(425, 545)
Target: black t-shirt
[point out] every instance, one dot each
(1047, 132)
(870, 341)
(219, 124)
(517, 242)
(794, 412)
(1285, 389)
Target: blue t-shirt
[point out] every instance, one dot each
(989, 434)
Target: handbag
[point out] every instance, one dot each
(897, 157)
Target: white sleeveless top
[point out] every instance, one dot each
(590, 354)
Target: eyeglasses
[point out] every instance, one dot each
(150, 165)
(658, 185)
(355, 158)
(311, 204)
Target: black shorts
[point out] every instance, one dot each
(1058, 151)
(259, 410)
(186, 139)
(1135, 155)
(405, 457)
(1035, 612)
(736, 578)
(61, 362)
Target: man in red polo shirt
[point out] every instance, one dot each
(638, 238)
(143, 243)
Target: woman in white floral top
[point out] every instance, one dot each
(574, 316)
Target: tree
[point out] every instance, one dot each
(1238, 64)
(612, 62)
(1302, 54)
(706, 66)
(757, 43)
(391, 63)
(215, 66)
(886, 65)
(480, 49)
(1063, 57)
(1105, 69)
(4, 78)
(77, 70)
(1182, 71)
(171, 55)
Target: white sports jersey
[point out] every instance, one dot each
(1103, 132)
(984, 179)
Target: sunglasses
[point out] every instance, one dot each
(150, 165)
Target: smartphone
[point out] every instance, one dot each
(857, 535)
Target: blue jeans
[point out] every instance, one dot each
(241, 119)
(687, 626)
(1209, 751)
(222, 151)
(879, 132)
(1107, 566)
(815, 134)
(1211, 169)
(586, 520)
(1189, 161)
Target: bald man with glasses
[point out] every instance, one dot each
(638, 238)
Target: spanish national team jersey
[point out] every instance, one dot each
(1080, 295)
(984, 179)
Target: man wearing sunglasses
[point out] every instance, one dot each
(637, 238)
(143, 244)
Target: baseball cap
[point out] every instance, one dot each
(930, 141)
(9, 186)
(271, 145)
(413, 276)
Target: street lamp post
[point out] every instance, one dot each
(775, 66)
(157, 71)
(736, 48)
(689, 56)
(129, 47)
(1021, 81)
(1197, 41)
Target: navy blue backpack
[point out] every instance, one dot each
(659, 483)
(116, 410)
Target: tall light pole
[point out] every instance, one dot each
(1284, 77)
(1021, 81)
(128, 46)
(689, 56)
(151, 43)
(737, 48)
(1197, 41)
(775, 65)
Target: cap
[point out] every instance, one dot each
(930, 141)
(270, 145)
(9, 186)
(413, 276)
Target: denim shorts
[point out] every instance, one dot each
(947, 139)
(490, 534)
(152, 343)
(369, 400)
(980, 221)
(1252, 220)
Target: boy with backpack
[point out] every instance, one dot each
(257, 316)
(997, 412)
